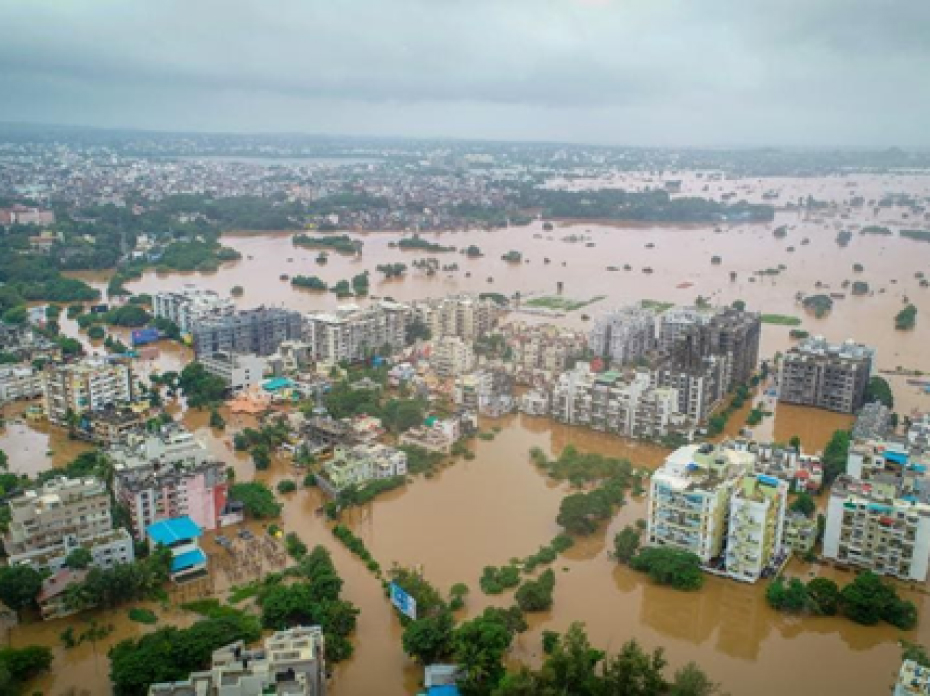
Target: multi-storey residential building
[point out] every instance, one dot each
(354, 465)
(800, 533)
(535, 402)
(89, 385)
(882, 524)
(803, 472)
(465, 316)
(452, 356)
(873, 421)
(20, 382)
(826, 375)
(352, 334)
(755, 527)
(290, 663)
(258, 331)
(488, 392)
(239, 370)
(699, 388)
(65, 514)
(172, 447)
(689, 502)
(540, 352)
(191, 305)
(624, 335)
(613, 402)
(674, 322)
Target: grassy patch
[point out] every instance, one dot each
(140, 615)
(564, 304)
(781, 320)
(656, 305)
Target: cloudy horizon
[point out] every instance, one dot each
(847, 73)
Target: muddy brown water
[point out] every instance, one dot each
(499, 506)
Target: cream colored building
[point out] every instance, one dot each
(89, 385)
(465, 316)
(755, 527)
(451, 356)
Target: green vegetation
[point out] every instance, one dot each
(798, 334)
(309, 282)
(339, 243)
(356, 546)
(879, 390)
(512, 256)
(495, 580)
(804, 504)
(843, 238)
(19, 665)
(754, 417)
(110, 587)
(561, 303)
(547, 554)
(19, 585)
(906, 318)
(144, 616)
(294, 546)
(656, 305)
(780, 319)
(876, 229)
(473, 252)
(917, 235)
(421, 461)
(626, 543)
(196, 256)
(717, 422)
(171, 654)
(286, 486)
(669, 566)
(201, 389)
(867, 600)
(820, 305)
(834, 456)
(79, 559)
(420, 244)
(257, 499)
(392, 270)
(536, 595)
(860, 287)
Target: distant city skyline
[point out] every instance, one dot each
(721, 73)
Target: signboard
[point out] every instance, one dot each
(403, 602)
(142, 336)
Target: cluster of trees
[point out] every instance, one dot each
(262, 442)
(866, 600)
(417, 242)
(669, 566)
(309, 282)
(906, 318)
(536, 595)
(420, 460)
(495, 580)
(343, 244)
(313, 600)
(392, 270)
(879, 390)
(19, 665)
(171, 654)
(129, 315)
(820, 305)
(257, 499)
(109, 587)
(512, 256)
(835, 455)
(196, 255)
(356, 546)
(200, 387)
(717, 422)
(398, 415)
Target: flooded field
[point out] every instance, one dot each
(499, 506)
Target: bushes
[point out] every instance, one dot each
(536, 595)
(547, 554)
(140, 615)
(626, 543)
(496, 580)
(669, 566)
(356, 546)
(257, 498)
(296, 549)
(906, 318)
(866, 600)
(286, 486)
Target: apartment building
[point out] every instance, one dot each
(239, 370)
(800, 533)
(535, 402)
(674, 322)
(882, 524)
(451, 356)
(65, 514)
(191, 305)
(172, 447)
(257, 331)
(89, 385)
(690, 496)
(699, 387)
(622, 404)
(356, 464)
(826, 375)
(541, 351)
(290, 662)
(755, 527)
(465, 316)
(488, 392)
(352, 334)
(20, 382)
(624, 335)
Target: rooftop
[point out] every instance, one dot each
(174, 530)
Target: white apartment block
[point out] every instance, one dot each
(355, 465)
(882, 524)
(756, 524)
(452, 356)
(698, 390)
(290, 662)
(465, 316)
(171, 448)
(623, 404)
(47, 524)
(690, 494)
(675, 321)
(624, 335)
(20, 382)
(239, 370)
(190, 305)
(89, 385)
(352, 334)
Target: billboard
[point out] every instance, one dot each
(403, 602)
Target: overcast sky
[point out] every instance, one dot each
(634, 72)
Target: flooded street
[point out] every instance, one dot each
(499, 506)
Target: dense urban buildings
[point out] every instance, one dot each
(190, 306)
(259, 331)
(623, 335)
(65, 514)
(89, 385)
(352, 333)
(238, 370)
(826, 375)
(465, 316)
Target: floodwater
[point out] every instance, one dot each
(499, 506)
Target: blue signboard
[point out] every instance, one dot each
(142, 336)
(404, 603)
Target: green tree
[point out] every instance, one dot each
(536, 595)
(670, 566)
(579, 513)
(879, 390)
(626, 543)
(200, 387)
(261, 457)
(571, 667)
(19, 665)
(429, 640)
(804, 504)
(257, 499)
(691, 680)
(634, 672)
(399, 415)
(478, 648)
(79, 558)
(19, 585)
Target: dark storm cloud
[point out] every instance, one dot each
(655, 71)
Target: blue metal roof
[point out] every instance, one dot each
(188, 560)
(445, 690)
(171, 531)
(896, 457)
